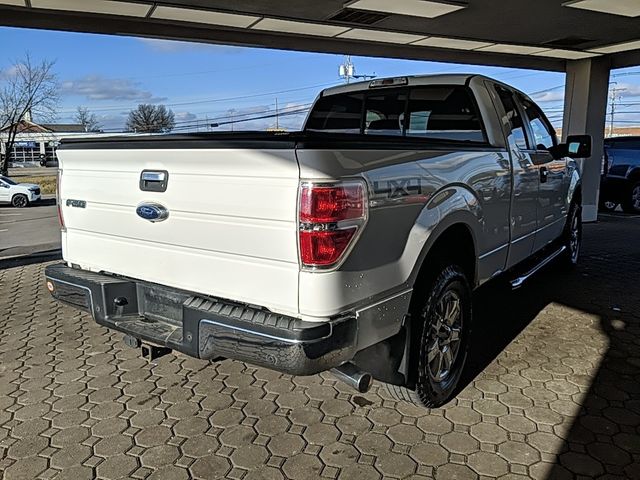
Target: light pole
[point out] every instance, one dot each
(348, 71)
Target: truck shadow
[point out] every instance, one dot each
(604, 433)
(45, 202)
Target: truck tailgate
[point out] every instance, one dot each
(231, 230)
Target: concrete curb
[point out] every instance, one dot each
(31, 258)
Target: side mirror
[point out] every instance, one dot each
(579, 146)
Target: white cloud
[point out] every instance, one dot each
(175, 46)
(627, 89)
(98, 87)
(9, 72)
(185, 116)
(550, 96)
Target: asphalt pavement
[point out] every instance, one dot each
(28, 231)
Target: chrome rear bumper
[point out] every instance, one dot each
(206, 327)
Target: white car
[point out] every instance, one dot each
(19, 195)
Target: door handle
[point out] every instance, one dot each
(154, 180)
(544, 174)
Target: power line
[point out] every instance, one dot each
(187, 124)
(231, 122)
(546, 90)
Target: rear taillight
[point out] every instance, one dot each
(326, 204)
(330, 218)
(59, 201)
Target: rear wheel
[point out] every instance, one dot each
(632, 204)
(441, 320)
(20, 201)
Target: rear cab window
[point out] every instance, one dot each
(434, 112)
(385, 113)
(622, 143)
(337, 114)
(444, 113)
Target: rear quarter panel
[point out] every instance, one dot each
(413, 197)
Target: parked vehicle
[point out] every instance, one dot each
(19, 195)
(50, 161)
(353, 245)
(608, 205)
(620, 181)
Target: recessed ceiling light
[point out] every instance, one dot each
(17, 3)
(380, 36)
(203, 16)
(456, 43)
(566, 54)
(618, 47)
(414, 8)
(515, 49)
(107, 7)
(626, 8)
(304, 28)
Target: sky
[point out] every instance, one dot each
(205, 84)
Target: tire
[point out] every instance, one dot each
(442, 310)
(608, 205)
(20, 201)
(632, 203)
(572, 236)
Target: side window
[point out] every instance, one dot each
(445, 113)
(384, 113)
(628, 144)
(513, 116)
(337, 114)
(542, 133)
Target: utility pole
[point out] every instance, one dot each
(614, 97)
(277, 119)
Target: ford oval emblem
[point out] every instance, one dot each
(153, 212)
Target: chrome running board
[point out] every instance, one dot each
(518, 281)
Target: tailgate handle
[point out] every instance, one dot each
(154, 180)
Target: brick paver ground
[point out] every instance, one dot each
(553, 392)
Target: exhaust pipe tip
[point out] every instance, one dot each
(365, 382)
(354, 377)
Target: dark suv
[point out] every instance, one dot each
(620, 181)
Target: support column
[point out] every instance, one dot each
(585, 111)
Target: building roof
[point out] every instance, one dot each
(26, 126)
(65, 127)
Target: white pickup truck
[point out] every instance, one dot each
(351, 246)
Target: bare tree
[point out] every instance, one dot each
(27, 88)
(151, 119)
(88, 120)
